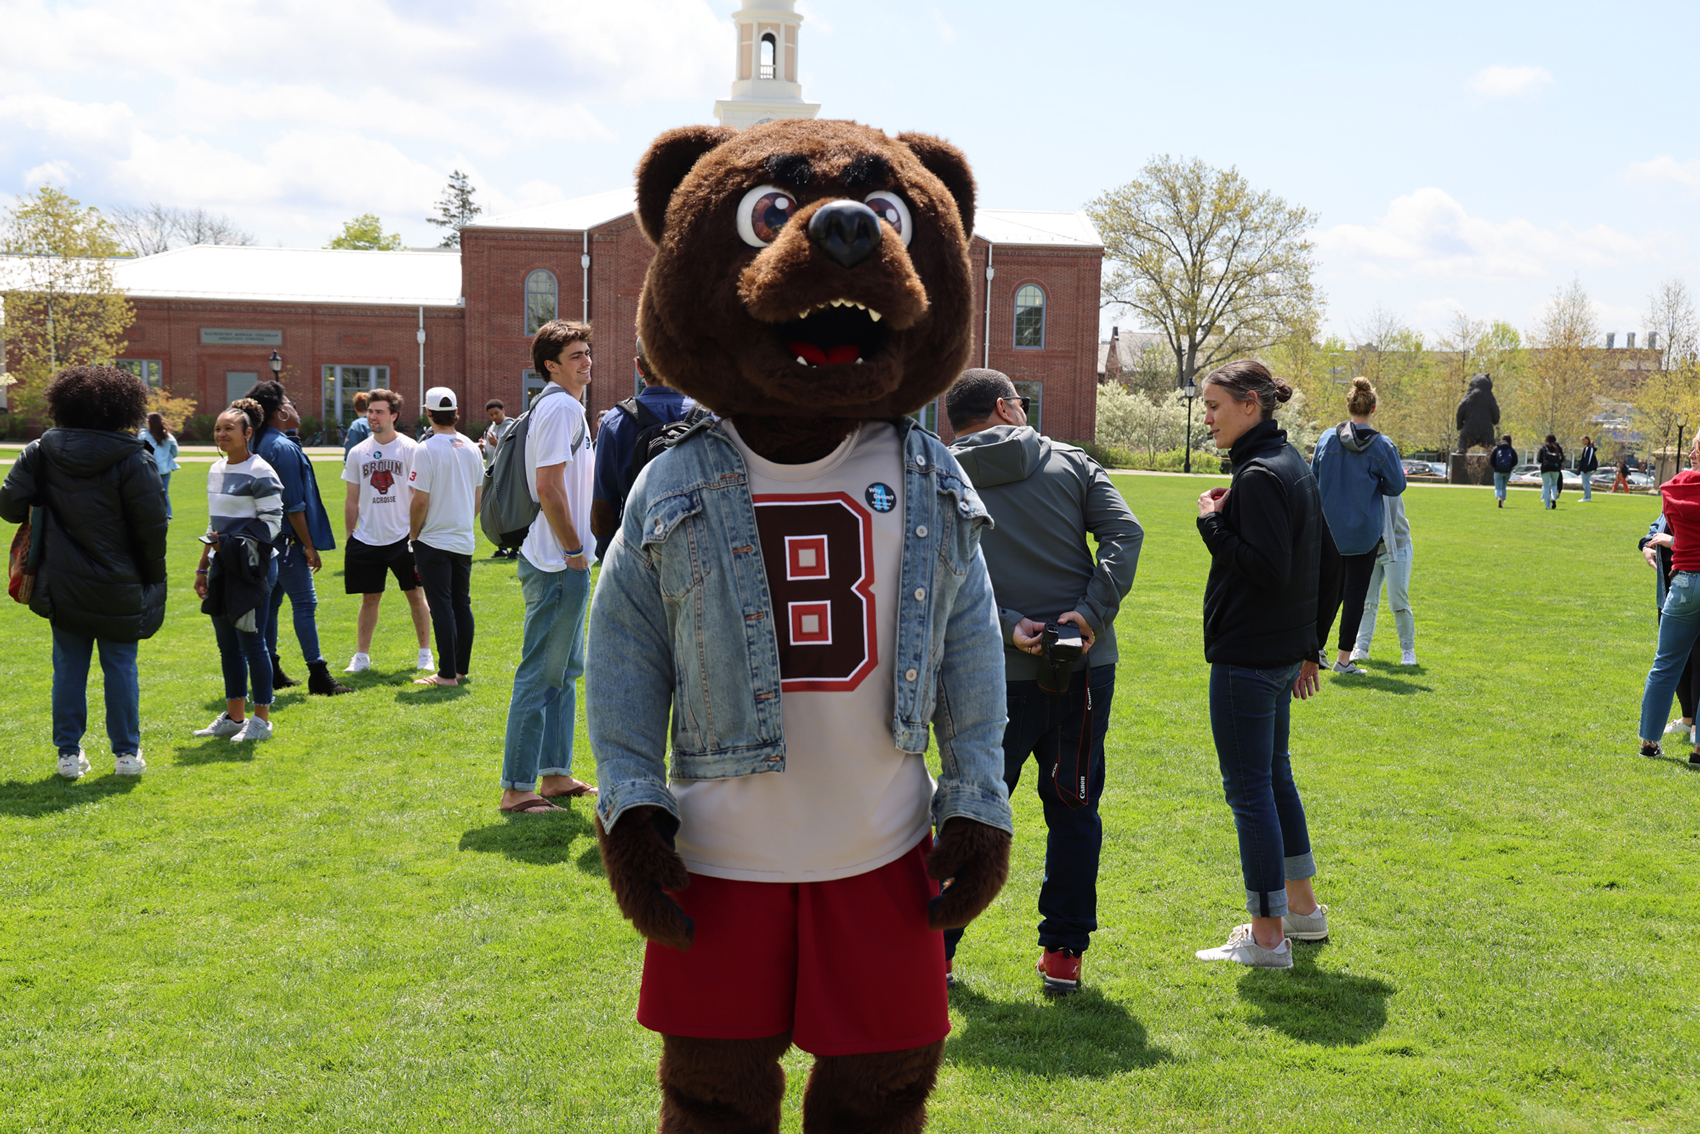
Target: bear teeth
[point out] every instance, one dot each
(874, 315)
(801, 361)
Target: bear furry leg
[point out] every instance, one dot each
(721, 1086)
(881, 1093)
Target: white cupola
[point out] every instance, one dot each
(765, 82)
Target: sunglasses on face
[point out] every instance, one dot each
(1023, 402)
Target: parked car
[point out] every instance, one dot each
(1526, 475)
(1440, 469)
(1420, 468)
(1638, 481)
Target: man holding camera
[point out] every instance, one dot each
(1057, 605)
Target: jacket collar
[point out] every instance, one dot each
(1265, 437)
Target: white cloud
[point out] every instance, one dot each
(50, 172)
(1429, 234)
(1665, 168)
(1500, 81)
(946, 32)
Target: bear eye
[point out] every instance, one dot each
(762, 213)
(892, 211)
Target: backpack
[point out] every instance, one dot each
(654, 436)
(1503, 459)
(507, 510)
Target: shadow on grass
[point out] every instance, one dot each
(1082, 1036)
(1385, 683)
(55, 794)
(217, 750)
(1315, 1005)
(411, 694)
(543, 839)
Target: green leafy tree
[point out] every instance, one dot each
(1219, 268)
(62, 307)
(366, 233)
(455, 209)
(1563, 386)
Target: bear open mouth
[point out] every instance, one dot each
(841, 331)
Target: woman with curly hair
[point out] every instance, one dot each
(93, 495)
(245, 515)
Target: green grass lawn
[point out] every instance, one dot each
(335, 930)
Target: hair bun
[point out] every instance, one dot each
(1362, 383)
(1283, 392)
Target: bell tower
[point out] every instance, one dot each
(765, 82)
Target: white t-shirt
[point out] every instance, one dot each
(559, 434)
(448, 467)
(849, 801)
(381, 471)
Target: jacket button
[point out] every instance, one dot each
(920, 593)
(921, 462)
(910, 675)
(658, 525)
(921, 532)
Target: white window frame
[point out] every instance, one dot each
(1015, 321)
(149, 370)
(553, 292)
(332, 386)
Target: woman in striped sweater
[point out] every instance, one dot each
(244, 498)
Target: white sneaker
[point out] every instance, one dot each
(1243, 948)
(1677, 726)
(1347, 668)
(425, 661)
(253, 729)
(1407, 657)
(1312, 926)
(74, 766)
(1358, 655)
(360, 664)
(129, 764)
(222, 726)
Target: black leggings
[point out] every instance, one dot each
(1357, 570)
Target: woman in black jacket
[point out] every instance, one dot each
(1269, 603)
(102, 575)
(1551, 459)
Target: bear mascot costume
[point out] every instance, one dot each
(1478, 415)
(795, 593)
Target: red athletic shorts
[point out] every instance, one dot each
(847, 966)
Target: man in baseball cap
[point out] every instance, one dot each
(448, 478)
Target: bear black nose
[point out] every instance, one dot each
(847, 231)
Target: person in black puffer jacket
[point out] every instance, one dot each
(102, 575)
(1270, 601)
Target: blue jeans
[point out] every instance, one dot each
(1587, 486)
(544, 709)
(71, 656)
(165, 485)
(1549, 487)
(244, 656)
(1500, 480)
(295, 579)
(1038, 724)
(1678, 629)
(1250, 712)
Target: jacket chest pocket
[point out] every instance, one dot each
(675, 539)
(963, 516)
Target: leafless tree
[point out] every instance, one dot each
(145, 230)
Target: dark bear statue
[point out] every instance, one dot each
(1478, 416)
(795, 594)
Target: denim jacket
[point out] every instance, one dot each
(683, 623)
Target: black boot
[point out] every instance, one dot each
(320, 681)
(280, 679)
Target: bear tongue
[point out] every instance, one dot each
(828, 356)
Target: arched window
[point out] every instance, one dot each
(542, 299)
(1030, 316)
(769, 55)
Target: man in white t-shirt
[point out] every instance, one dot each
(554, 575)
(447, 481)
(375, 517)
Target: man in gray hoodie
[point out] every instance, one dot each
(1044, 497)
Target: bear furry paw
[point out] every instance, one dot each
(642, 865)
(975, 858)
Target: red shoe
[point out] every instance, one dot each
(1061, 970)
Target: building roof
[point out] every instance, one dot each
(576, 215)
(1129, 346)
(293, 275)
(1023, 226)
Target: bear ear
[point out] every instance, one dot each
(945, 162)
(665, 164)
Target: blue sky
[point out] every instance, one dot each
(1472, 156)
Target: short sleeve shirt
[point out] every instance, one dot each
(559, 435)
(448, 467)
(381, 472)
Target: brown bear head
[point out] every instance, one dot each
(808, 275)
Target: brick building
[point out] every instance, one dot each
(209, 318)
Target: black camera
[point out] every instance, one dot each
(1060, 648)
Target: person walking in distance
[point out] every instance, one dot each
(1356, 468)
(1045, 497)
(1587, 461)
(164, 445)
(447, 481)
(376, 516)
(91, 494)
(1271, 596)
(306, 533)
(1621, 484)
(554, 575)
(1551, 459)
(1503, 460)
(499, 429)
